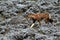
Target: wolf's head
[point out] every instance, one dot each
(51, 21)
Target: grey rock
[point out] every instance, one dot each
(16, 27)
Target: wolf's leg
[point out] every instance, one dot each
(33, 23)
(39, 22)
(46, 20)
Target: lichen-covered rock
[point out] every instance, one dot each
(15, 26)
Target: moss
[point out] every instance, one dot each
(58, 4)
(33, 0)
(41, 32)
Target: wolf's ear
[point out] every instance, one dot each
(50, 16)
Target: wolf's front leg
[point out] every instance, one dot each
(32, 25)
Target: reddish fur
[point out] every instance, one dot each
(39, 17)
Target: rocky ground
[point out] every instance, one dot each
(14, 25)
